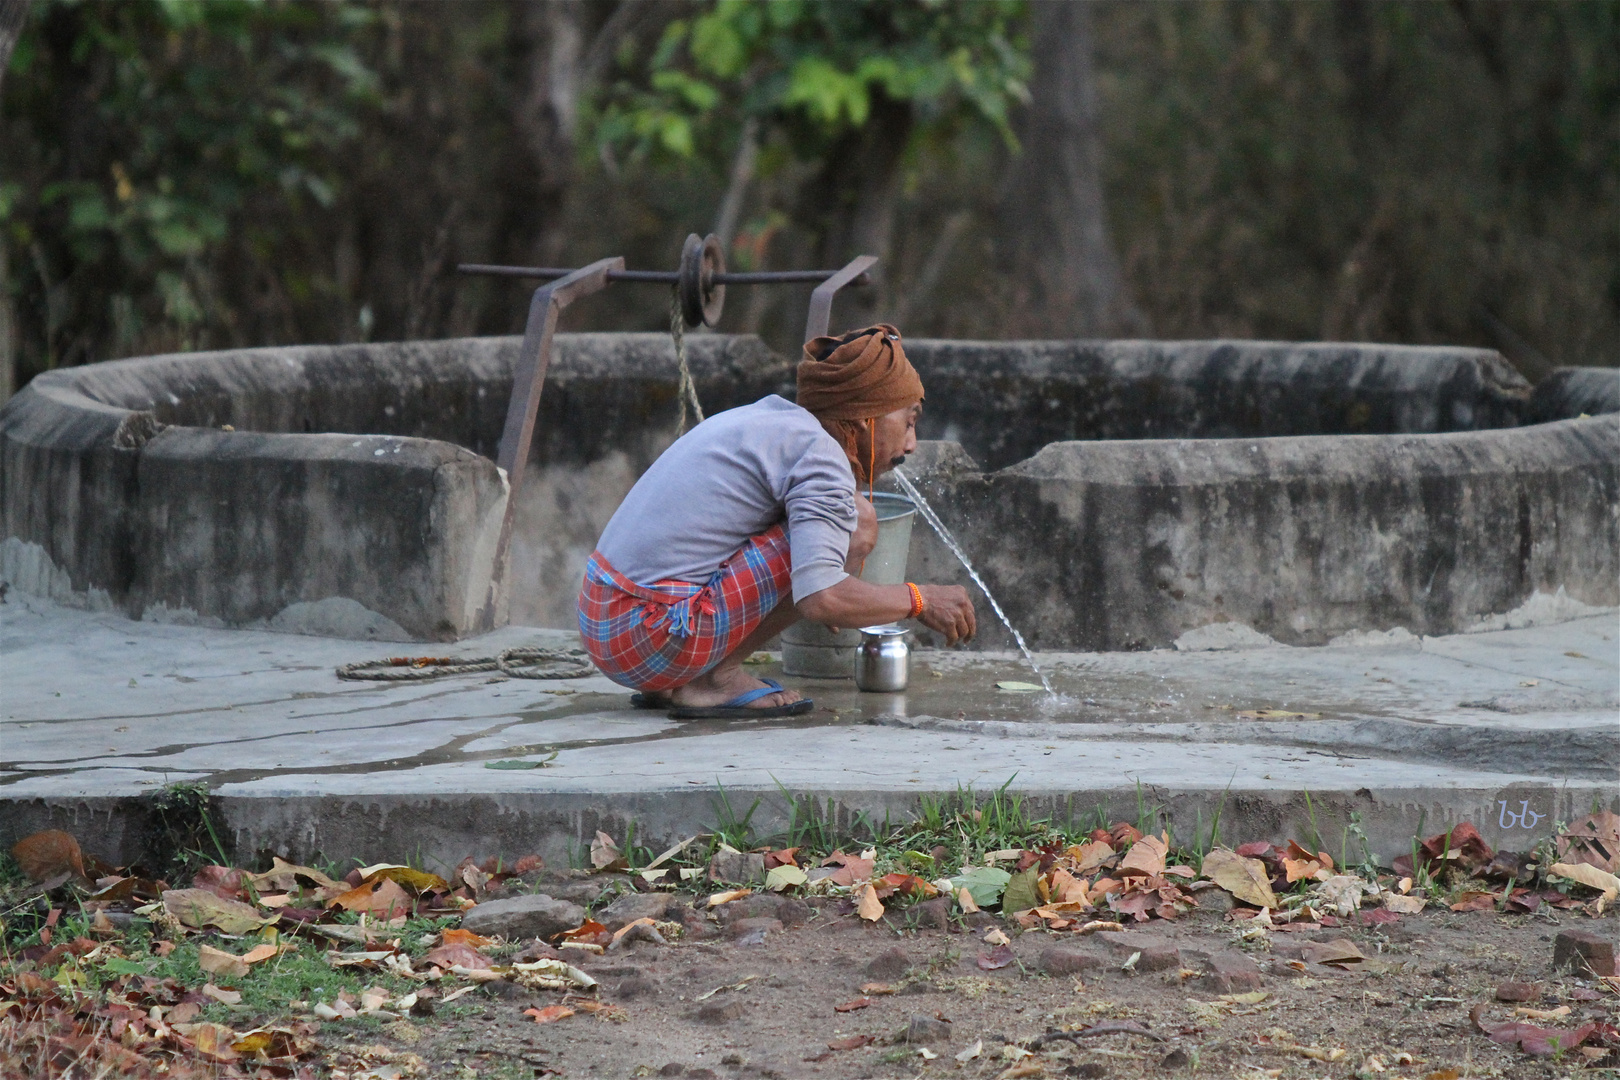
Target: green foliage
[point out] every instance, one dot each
(181, 835)
(811, 70)
(142, 135)
(1402, 172)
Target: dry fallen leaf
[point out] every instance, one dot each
(459, 936)
(457, 954)
(605, 854)
(965, 899)
(998, 957)
(1145, 858)
(1404, 905)
(1594, 839)
(213, 1040)
(1066, 888)
(1590, 876)
(285, 876)
(1341, 951)
(851, 1006)
(381, 897)
(198, 908)
(47, 856)
(550, 1014)
(854, 1042)
(1243, 877)
(870, 907)
(419, 881)
(218, 962)
(727, 897)
(260, 953)
(875, 989)
(222, 995)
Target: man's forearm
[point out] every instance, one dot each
(854, 603)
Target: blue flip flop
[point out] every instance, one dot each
(738, 708)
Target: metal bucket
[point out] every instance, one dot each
(811, 649)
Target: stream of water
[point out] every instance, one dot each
(956, 549)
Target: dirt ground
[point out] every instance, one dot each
(1403, 1011)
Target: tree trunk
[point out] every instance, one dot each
(1064, 273)
(13, 13)
(554, 35)
(855, 197)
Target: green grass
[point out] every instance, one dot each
(268, 990)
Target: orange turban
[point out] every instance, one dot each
(862, 375)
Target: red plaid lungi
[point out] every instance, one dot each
(664, 635)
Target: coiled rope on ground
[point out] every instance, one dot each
(522, 663)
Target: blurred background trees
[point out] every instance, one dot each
(184, 175)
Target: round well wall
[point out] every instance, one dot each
(1116, 494)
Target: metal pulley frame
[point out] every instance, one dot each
(700, 287)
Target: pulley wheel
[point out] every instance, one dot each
(701, 299)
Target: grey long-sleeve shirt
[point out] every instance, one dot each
(732, 477)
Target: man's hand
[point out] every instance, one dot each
(948, 610)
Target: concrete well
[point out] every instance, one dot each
(1117, 494)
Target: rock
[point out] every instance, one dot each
(701, 1074)
(923, 1030)
(1124, 942)
(1229, 973)
(1159, 958)
(1175, 1059)
(674, 1068)
(737, 868)
(1067, 960)
(637, 986)
(932, 914)
(696, 926)
(786, 909)
(1518, 991)
(537, 916)
(632, 906)
(1283, 969)
(1214, 902)
(1584, 953)
(889, 964)
(733, 1058)
(576, 888)
(741, 928)
(720, 1012)
(793, 911)
(1089, 1070)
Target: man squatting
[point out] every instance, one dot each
(752, 521)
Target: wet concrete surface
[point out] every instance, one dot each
(97, 711)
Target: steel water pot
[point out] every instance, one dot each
(883, 659)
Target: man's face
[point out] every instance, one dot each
(896, 436)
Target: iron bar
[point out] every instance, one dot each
(668, 277)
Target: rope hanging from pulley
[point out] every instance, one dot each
(697, 301)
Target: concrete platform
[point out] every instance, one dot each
(97, 712)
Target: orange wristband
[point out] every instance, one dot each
(916, 601)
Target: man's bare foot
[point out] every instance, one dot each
(724, 683)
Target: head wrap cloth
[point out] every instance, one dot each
(859, 376)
